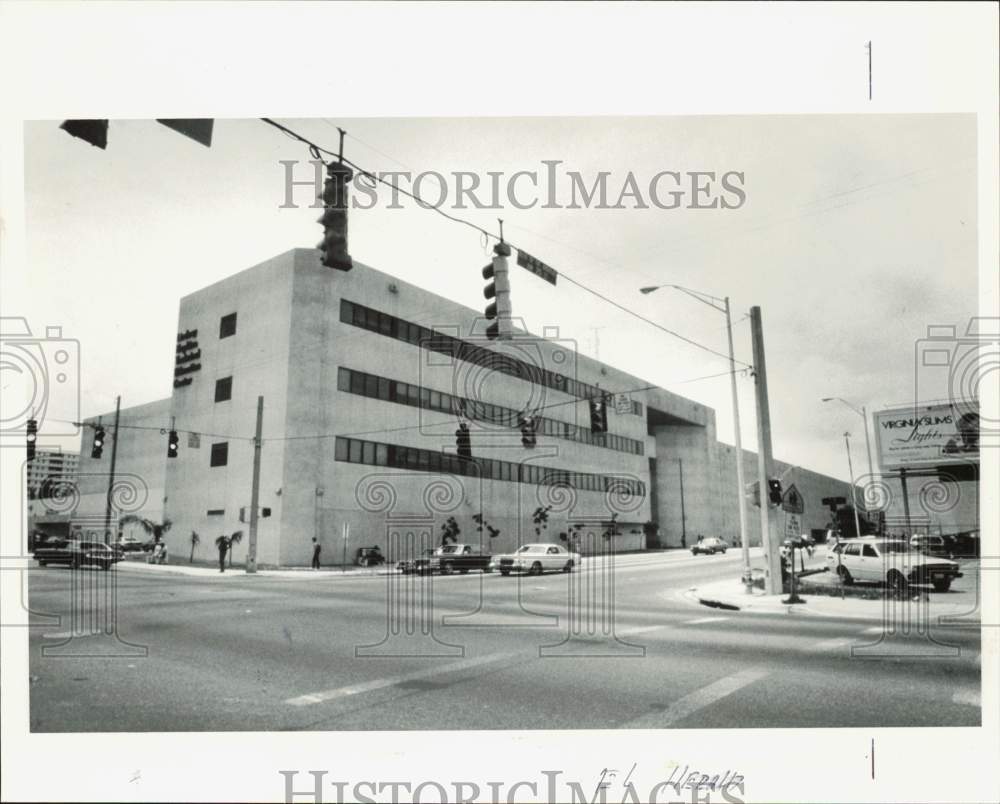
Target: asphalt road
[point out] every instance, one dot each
(471, 652)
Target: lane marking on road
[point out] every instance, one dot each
(699, 699)
(875, 629)
(642, 629)
(381, 683)
(969, 697)
(832, 644)
(702, 620)
(70, 634)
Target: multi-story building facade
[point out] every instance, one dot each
(364, 379)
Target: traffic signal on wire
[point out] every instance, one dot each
(528, 438)
(32, 437)
(599, 415)
(98, 447)
(172, 444)
(463, 441)
(333, 246)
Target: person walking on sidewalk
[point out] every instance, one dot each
(316, 551)
(223, 543)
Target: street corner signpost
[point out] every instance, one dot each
(794, 507)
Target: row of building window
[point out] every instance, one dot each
(354, 450)
(390, 326)
(370, 385)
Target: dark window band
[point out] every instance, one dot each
(365, 317)
(370, 385)
(354, 450)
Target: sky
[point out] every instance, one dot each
(856, 233)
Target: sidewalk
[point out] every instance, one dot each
(302, 573)
(730, 594)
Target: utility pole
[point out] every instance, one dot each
(765, 461)
(854, 490)
(680, 469)
(111, 478)
(255, 489)
(740, 501)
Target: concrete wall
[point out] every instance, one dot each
(328, 493)
(256, 356)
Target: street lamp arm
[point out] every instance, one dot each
(704, 298)
(844, 402)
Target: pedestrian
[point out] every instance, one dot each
(316, 551)
(223, 547)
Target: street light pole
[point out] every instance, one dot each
(854, 494)
(714, 302)
(863, 413)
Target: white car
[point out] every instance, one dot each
(890, 561)
(535, 559)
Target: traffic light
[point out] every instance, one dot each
(528, 432)
(774, 491)
(333, 246)
(498, 289)
(463, 441)
(32, 437)
(172, 444)
(599, 415)
(98, 447)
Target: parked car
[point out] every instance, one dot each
(892, 562)
(130, 544)
(709, 546)
(79, 554)
(535, 559)
(369, 557)
(451, 558)
(933, 545)
(411, 565)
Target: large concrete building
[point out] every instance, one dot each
(364, 379)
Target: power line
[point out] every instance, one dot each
(316, 150)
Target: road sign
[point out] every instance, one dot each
(623, 404)
(536, 266)
(792, 502)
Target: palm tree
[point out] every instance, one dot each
(195, 541)
(149, 527)
(235, 538)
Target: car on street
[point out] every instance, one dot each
(449, 558)
(79, 554)
(710, 546)
(892, 562)
(535, 559)
(412, 565)
(933, 545)
(130, 544)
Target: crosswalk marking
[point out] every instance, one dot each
(699, 699)
(381, 683)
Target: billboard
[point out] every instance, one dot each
(928, 435)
